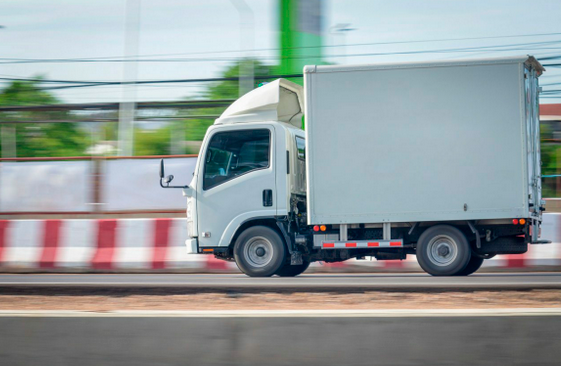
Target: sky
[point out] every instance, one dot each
(207, 36)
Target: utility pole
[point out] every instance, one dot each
(130, 73)
(247, 36)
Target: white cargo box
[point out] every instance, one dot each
(422, 141)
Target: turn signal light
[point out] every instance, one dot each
(316, 228)
(522, 221)
(515, 221)
(323, 228)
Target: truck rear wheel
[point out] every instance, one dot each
(443, 250)
(259, 252)
(293, 270)
(473, 265)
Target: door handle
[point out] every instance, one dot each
(267, 197)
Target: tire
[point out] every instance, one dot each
(443, 250)
(259, 251)
(473, 265)
(293, 271)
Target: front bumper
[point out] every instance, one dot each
(192, 245)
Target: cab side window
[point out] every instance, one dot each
(301, 146)
(234, 153)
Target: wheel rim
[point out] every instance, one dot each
(258, 251)
(442, 250)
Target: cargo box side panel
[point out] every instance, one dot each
(415, 144)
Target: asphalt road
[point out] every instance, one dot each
(270, 340)
(303, 282)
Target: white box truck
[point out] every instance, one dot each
(436, 159)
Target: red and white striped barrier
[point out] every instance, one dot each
(113, 244)
(158, 244)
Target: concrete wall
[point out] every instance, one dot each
(92, 185)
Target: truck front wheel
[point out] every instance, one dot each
(443, 250)
(293, 270)
(259, 252)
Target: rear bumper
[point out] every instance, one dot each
(192, 245)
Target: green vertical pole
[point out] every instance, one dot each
(301, 24)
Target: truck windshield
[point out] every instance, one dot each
(234, 153)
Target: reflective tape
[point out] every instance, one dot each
(363, 244)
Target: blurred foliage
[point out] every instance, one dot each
(159, 141)
(230, 89)
(548, 151)
(152, 141)
(195, 129)
(72, 139)
(41, 139)
(550, 157)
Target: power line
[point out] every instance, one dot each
(501, 48)
(144, 82)
(495, 48)
(285, 48)
(83, 84)
(189, 104)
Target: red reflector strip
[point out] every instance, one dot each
(350, 245)
(395, 243)
(329, 245)
(375, 244)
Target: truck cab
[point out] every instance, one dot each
(251, 169)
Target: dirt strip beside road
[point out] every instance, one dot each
(162, 300)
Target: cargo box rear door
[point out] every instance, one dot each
(533, 148)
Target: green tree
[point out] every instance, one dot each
(40, 139)
(230, 89)
(196, 128)
(190, 130)
(550, 156)
(152, 141)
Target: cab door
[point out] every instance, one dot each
(236, 181)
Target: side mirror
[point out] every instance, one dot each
(162, 172)
(167, 180)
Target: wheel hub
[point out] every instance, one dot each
(442, 250)
(258, 251)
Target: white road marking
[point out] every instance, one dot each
(392, 313)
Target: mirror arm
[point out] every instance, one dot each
(162, 177)
(168, 186)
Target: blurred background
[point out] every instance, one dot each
(84, 87)
(92, 94)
